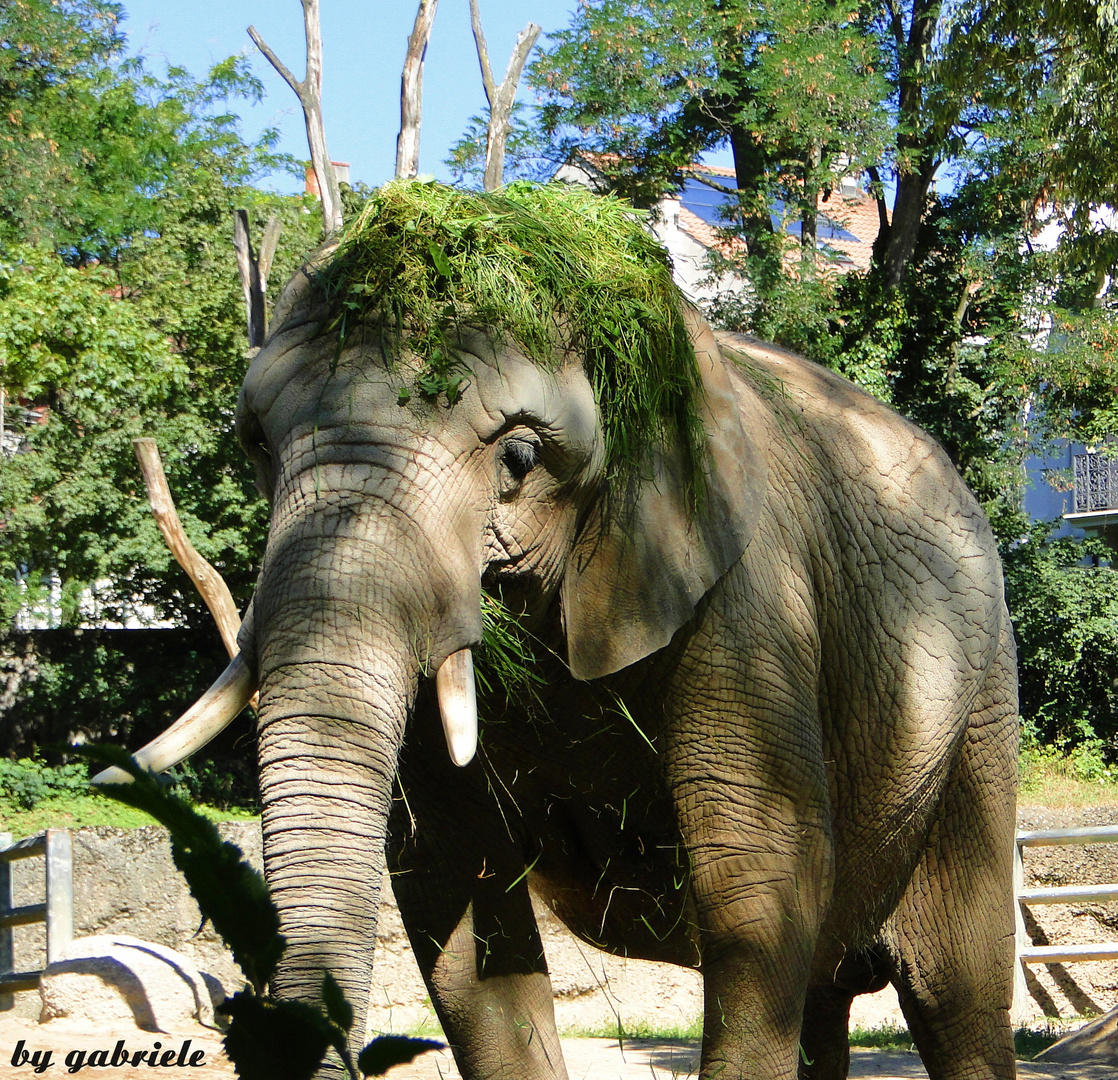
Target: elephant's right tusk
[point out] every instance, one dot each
(211, 714)
(454, 684)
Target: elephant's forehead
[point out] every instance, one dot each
(305, 384)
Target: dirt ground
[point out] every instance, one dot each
(587, 1059)
(595, 992)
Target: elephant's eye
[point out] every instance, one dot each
(519, 455)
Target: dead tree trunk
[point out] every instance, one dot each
(411, 91)
(254, 272)
(309, 93)
(501, 98)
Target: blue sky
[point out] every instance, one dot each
(363, 46)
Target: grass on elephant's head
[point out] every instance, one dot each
(554, 267)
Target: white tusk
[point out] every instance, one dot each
(211, 714)
(458, 705)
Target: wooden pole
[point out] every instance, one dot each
(411, 91)
(206, 579)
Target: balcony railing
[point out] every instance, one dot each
(1096, 483)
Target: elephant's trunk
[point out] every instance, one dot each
(356, 604)
(327, 760)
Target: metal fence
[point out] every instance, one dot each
(1096, 482)
(1027, 952)
(56, 910)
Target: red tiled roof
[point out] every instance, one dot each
(857, 214)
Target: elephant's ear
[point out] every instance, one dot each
(632, 583)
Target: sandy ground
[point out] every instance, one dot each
(587, 1059)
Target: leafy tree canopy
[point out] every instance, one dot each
(121, 311)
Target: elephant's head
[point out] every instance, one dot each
(452, 405)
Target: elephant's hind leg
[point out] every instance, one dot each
(952, 934)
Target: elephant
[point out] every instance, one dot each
(761, 719)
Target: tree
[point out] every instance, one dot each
(790, 86)
(135, 329)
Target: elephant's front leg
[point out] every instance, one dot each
(461, 886)
(762, 868)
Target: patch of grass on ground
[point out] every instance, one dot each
(1064, 781)
(1028, 1042)
(80, 811)
(637, 1029)
(886, 1037)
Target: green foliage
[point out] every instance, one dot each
(28, 782)
(387, 1051)
(124, 686)
(790, 84)
(267, 1039)
(553, 267)
(149, 341)
(1065, 615)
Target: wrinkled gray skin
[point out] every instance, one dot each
(821, 661)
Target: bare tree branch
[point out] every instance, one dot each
(268, 250)
(253, 271)
(482, 53)
(411, 91)
(249, 270)
(501, 98)
(276, 62)
(309, 93)
(208, 581)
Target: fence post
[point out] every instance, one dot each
(60, 893)
(7, 954)
(1019, 1012)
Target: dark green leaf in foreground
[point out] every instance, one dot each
(337, 1008)
(275, 1040)
(229, 892)
(388, 1050)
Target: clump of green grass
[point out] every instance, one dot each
(556, 269)
(886, 1037)
(638, 1029)
(89, 811)
(1028, 1042)
(1060, 776)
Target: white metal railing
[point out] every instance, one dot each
(56, 910)
(1027, 952)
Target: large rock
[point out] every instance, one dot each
(1095, 1043)
(110, 980)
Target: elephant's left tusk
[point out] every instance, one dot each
(458, 705)
(211, 714)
